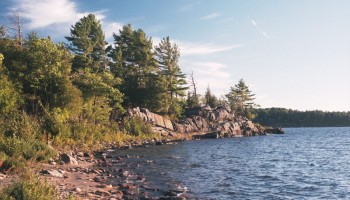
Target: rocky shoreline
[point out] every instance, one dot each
(102, 175)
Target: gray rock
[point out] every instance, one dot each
(53, 173)
(67, 159)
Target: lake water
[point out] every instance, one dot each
(304, 163)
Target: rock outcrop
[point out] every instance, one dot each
(210, 123)
(149, 117)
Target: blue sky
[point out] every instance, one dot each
(292, 53)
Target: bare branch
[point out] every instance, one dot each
(16, 26)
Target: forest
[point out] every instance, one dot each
(281, 117)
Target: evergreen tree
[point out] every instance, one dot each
(87, 41)
(240, 98)
(210, 99)
(134, 62)
(92, 74)
(167, 55)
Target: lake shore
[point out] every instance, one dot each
(103, 175)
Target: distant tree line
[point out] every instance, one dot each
(281, 117)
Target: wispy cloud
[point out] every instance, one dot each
(189, 7)
(189, 48)
(199, 48)
(262, 32)
(211, 16)
(56, 16)
(110, 28)
(210, 73)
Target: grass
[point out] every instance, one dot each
(29, 187)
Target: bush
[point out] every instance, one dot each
(136, 126)
(19, 125)
(29, 188)
(18, 151)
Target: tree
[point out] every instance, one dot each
(91, 71)
(9, 97)
(48, 75)
(16, 26)
(167, 55)
(134, 62)
(87, 41)
(240, 98)
(210, 99)
(99, 93)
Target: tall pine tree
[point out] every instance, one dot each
(92, 74)
(134, 62)
(87, 41)
(167, 55)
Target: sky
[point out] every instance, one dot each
(292, 53)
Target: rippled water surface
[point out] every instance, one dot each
(304, 163)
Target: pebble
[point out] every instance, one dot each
(77, 189)
(102, 192)
(96, 179)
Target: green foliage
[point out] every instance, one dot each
(10, 98)
(240, 98)
(20, 152)
(20, 125)
(173, 81)
(29, 188)
(20, 141)
(193, 100)
(210, 99)
(136, 126)
(100, 94)
(91, 75)
(87, 41)
(48, 73)
(134, 62)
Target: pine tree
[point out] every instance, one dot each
(240, 98)
(134, 62)
(167, 55)
(87, 41)
(92, 74)
(210, 99)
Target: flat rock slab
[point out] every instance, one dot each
(53, 173)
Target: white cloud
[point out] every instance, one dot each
(56, 15)
(211, 16)
(209, 73)
(110, 28)
(189, 48)
(254, 23)
(262, 32)
(198, 48)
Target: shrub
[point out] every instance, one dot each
(29, 188)
(18, 151)
(136, 126)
